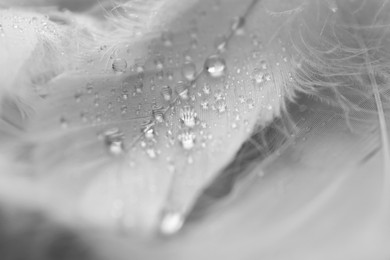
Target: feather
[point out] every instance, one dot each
(304, 174)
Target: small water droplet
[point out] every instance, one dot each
(158, 114)
(251, 103)
(206, 89)
(219, 95)
(205, 104)
(171, 223)
(119, 65)
(221, 106)
(64, 122)
(221, 43)
(238, 24)
(77, 96)
(263, 64)
(113, 140)
(167, 39)
(187, 140)
(215, 66)
(189, 71)
(258, 76)
(188, 116)
(148, 129)
(151, 153)
(182, 90)
(166, 93)
(139, 87)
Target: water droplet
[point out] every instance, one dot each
(333, 6)
(206, 89)
(151, 153)
(215, 66)
(139, 87)
(119, 65)
(187, 140)
(158, 114)
(221, 106)
(263, 64)
(188, 116)
(267, 76)
(258, 76)
(238, 24)
(64, 122)
(182, 90)
(148, 129)
(77, 96)
(166, 93)
(113, 140)
(205, 104)
(125, 96)
(219, 95)
(189, 71)
(221, 43)
(167, 39)
(171, 223)
(251, 103)
(159, 62)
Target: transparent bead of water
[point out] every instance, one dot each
(166, 93)
(206, 89)
(189, 71)
(148, 129)
(119, 65)
(221, 43)
(114, 141)
(205, 104)
(171, 223)
(215, 66)
(221, 106)
(188, 116)
(187, 140)
(251, 103)
(158, 114)
(167, 39)
(238, 24)
(258, 76)
(182, 90)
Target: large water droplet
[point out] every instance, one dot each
(215, 66)
(189, 71)
(188, 116)
(113, 140)
(187, 140)
(119, 65)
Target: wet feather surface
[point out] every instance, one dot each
(274, 117)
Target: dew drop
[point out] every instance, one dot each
(64, 122)
(151, 153)
(189, 71)
(167, 39)
(148, 129)
(113, 140)
(221, 43)
(171, 223)
(204, 104)
(182, 90)
(215, 66)
(221, 106)
(187, 140)
(159, 114)
(238, 24)
(166, 93)
(188, 116)
(251, 103)
(119, 65)
(258, 76)
(139, 87)
(206, 89)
